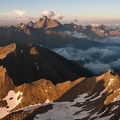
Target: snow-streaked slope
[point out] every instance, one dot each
(99, 103)
(63, 110)
(12, 99)
(32, 107)
(95, 98)
(68, 111)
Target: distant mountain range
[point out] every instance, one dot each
(49, 32)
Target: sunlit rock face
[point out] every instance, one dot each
(46, 23)
(89, 98)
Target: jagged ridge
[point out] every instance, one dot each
(28, 63)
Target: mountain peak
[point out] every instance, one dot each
(45, 22)
(43, 17)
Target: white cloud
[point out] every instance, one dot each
(48, 13)
(58, 16)
(76, 34)
(70, 53)
(29, 18)
(112, 40)
(97, 68)
(90, 54)
(20, 12)
(99, 60)
(52, 15)
(115, 64)
(75, 20)
(95, 24)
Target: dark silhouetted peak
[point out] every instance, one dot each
(28, 63)
(89, 27)
(44, 17)
(21, 25)
(73, 27)
(30, 24)
(103, 27)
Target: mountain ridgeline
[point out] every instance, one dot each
(50, 32)
(27, 63)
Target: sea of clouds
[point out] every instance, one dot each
(96, 59)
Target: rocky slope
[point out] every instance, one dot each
(95, 98)
(27, 63)
(36, 83)
(32, 74)
(47, 23)
(26, 95)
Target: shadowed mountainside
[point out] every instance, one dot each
(27, 63)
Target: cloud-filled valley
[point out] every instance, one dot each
(96, 59)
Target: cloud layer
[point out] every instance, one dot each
(76, 34)
(20, 12)
(97, 68)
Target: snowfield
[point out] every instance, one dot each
(12, 99)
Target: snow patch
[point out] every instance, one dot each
(106, 118)
(101, 30)
(37, 67)
(99, 95)
(21, 51)
(12, 99)
(64, 110)
(114, 107)
(68, 111)
(47, 101)
(110, 82)
(118, 98)
(30, 107)
(91, 96)
(46, 90)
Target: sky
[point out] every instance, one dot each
(79, 11)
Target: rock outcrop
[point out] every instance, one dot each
(90, 98)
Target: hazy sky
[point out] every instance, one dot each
(64, 10)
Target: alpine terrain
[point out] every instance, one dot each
(54, 71)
